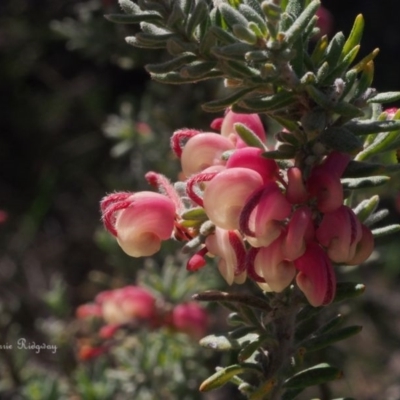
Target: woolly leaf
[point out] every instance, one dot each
(270, 103)
(387, 230)
(386, 97)
(171, 65)
(366, 208)
(133, 19)
(340, 139)
(222, 104)
(248, 136)
(365, 127)
(362, 183)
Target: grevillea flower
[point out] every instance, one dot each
(202, 151)
(140, 221)
(364, 247)
(270, 264)
(88, 310)
(226, 194)
(300, 230)
(252, 121)
(251, 157)
(191, 319)
(340, 231)
(296, 192)
(127, 304)
(229, 247)
(261, 217)
(324, 182)
(316, 278)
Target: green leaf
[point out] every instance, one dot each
(197, 69)
(232, 16)
(348, 290)
(252, 15)
(176, 78)
(222, 104)
(366, 79)
(171, 65)
(291, 394)
(318, 54)
(381, 143)
(235, 51)
(387, 230)
(279, 155)
(224, 36)
(133, 19)
(340, 139)
(241, 332)
(386, 97)
(366, 127)
(362, 183)
(195, 214)
(222, 377)
(199, 14)
(296, 30)
(334, 50)
(362, 64)
(316, 375)
(376, 217)
(248, 136)
(326, 339)
(269, 103)
(355, 35)
(366, 208)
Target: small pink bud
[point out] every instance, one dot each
(340, 231)
(191, 319)
(229, 246)
(316, 278)
(271, 265)
(140, 222)
(227, 193)
(252, 121)
(251, 157)
(325, 21)
(203, 151)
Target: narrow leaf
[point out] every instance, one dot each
(387, 230)
(316, 375)
(386, 97)
(222, 104)
(355, 35)
(348, 290)
(133, 19)
(362, 183)
(248, 136)
(221, 377)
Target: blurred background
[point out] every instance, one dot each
(79, 118)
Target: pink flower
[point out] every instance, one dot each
(364, 247)
(251, 157)
(191, 319)
(260, 220)
(252, 121)
(296, 192)
(229, 246)
(325, 21)
(300, 230)
(324, 182)
(88, 310)
(128, 304)
(316, 278)
(140, 221)
(226, 194)
(270, 263)
(340, 231)
(202, 151)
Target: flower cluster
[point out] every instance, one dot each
(271, 224)
(133, 307)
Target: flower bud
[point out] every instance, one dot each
(190, 318)
(141, 222)
(128, 304)
(316, 278)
